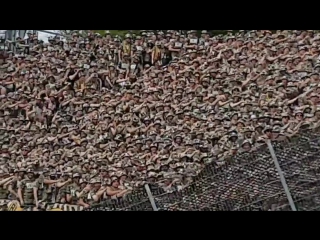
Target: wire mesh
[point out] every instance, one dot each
(246, 182)
(299, 161)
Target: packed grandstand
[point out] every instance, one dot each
(94, 118)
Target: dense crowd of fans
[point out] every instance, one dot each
(87, 119)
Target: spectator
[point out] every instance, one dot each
(91, 119)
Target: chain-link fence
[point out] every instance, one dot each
(247, 182)
(300, 161)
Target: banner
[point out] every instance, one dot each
(65, 207)
(14, 205)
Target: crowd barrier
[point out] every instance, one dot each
(246, 182)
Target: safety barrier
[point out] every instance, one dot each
(283, 176)
(280, 176)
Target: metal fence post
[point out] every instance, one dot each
(282, 178)
(151, 198)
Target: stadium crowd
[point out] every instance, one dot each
(95, 117)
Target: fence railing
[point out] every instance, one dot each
(247, 182)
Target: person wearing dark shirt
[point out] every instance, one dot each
(166, 58)
(147, 54)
